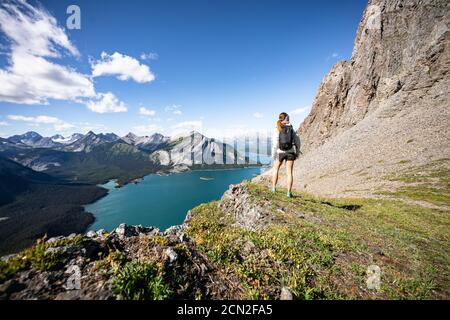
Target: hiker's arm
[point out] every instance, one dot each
(297, 143)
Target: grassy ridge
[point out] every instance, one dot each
(321, 248)
(429, 183)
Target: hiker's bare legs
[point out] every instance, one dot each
(276, 168)
(289, 172)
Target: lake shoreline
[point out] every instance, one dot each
(118, 185)
(188, 184)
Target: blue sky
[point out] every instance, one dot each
(218, 66)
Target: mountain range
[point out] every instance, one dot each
(95, 158)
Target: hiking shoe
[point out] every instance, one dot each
(289, 195)
(273, 190)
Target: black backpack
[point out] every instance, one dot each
(286, 138)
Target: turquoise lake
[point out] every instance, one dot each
(163, 201)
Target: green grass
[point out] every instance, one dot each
(423, 193)
(325, 253)
(430, 183)
(141, 281)
(40, 259)
(11, 267)
(35, 257)
(288, 252)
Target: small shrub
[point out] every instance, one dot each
(36, 256)
(116, 260)
(159, 241)
(78, 239)
(11, 267)
(141, 281)
(40, 258)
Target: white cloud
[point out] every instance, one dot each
(38, 119)
(147, 112)
(106, 102)
(29, 78)
(149, 56)
(87, 126)
(58, 124)
(33, 30)
(34, 80)
(334, 55)
(258, 115)
(174, 108)
(63, 126)
(243, 130)
(4, 123)
(191, 125)
(145, 130)
(122, 66)
(299, 111)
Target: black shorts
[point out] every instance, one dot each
(286, 156)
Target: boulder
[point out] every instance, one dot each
(101, 233)
(171, 254)
(91, 234)
(124, 230)
(55, 239)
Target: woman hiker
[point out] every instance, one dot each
(286, 147)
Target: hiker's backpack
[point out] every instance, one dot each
(286, 138)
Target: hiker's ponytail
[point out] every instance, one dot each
(279, 126)
(281, 118)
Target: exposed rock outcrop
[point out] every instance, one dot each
(401, 49)
(94, 260)
(247, 213)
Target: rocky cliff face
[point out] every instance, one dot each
(400, 56)
(387, 109)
